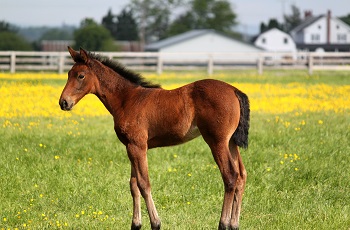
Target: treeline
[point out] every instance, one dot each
(145, 21)
(141, 20)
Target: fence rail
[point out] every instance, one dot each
(14, 61)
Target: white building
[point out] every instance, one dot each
(323, 32)
(198, 44)
(275, 40)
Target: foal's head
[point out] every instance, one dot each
(81, 80)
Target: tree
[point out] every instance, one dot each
(345, 19)
(12, 41)
(57, 34)
(209, 14)
(126, 26)
(263, 27)
(93, 36)
(152, 17)
(181, 24)
(292, 20)
(273, 23)
(6, 27)
(109, 22)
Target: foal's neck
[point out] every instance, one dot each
(113, 89)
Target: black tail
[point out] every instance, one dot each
(240, 136)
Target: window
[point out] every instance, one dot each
(285, 40)
(315, 37)
(263, 40)
(341, 38)
(319, 27)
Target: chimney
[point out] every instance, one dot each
(307, 14)
(329, 15)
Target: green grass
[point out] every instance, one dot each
(73, 173)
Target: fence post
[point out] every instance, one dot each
(13, 62)
(61, 63)
(159, 65)
(260, 65)
(210, 64)
(311, 63)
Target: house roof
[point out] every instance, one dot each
(305, 24)
(183, 37)
(176, 39)
(273, 29)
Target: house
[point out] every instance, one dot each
(275, 40)
(201, 41)
(55, 45)
(322, 33)
(198, 44)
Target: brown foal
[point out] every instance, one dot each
(147, 116)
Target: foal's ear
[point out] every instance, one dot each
(74, 54)
(84, 55)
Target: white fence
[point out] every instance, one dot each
(60, 62)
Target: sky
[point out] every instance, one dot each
(70, 12)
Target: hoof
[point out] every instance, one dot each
(155, 227)
(227, 227)
(135, 227)
(223, 227)
(235, 227)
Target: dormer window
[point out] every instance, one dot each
(285, 40)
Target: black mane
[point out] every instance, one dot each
(132, 76)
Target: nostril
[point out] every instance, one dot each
(64, 104)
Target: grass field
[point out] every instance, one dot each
(68, 170)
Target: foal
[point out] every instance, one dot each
(147, 116)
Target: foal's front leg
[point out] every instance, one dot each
(138, 159)
(136, 195)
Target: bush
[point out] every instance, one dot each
(12, 41)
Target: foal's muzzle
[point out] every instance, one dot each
(65, 105)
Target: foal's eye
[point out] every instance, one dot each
(81, 76)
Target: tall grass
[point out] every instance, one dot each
(72, 172)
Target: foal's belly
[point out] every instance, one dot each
(173, 138)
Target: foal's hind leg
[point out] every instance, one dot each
(229, 173)
(241, 181)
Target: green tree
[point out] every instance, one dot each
(57, 34)
(12, 41)
(345, 19)
(292, 20)
(181, 24)
(126, 26)
(273, 23)
(93, 36)
(263, 27)
(209, 14)
(110, 23)
(6, 27)
(152, 17)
